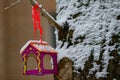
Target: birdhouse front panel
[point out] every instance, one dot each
(31, 50)
(39, 50)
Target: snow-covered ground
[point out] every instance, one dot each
(97, 23)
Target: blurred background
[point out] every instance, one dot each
(16, 28)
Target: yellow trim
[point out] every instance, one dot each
(39, 69)
(24, 63)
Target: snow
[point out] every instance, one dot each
(101, 74)
(95, 68)
(41, 46)
(44, 47)
(96, 23)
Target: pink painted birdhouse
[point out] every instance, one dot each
(39, 50)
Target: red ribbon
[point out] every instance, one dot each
(36, 20)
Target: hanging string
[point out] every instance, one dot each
(36, 21)
(13, 4)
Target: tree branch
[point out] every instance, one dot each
(48, 16)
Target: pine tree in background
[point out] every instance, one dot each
(90, 45)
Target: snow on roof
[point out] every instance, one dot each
(95, 23)
(40, 46)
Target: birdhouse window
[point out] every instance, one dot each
(31, 62)
(47, 62)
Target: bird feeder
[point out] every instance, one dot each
(39, 50)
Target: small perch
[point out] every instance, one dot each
(48, 16)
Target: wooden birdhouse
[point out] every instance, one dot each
(39, 50)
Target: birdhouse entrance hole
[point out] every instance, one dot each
(47, 62)
(31, 62)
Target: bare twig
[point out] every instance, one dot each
(13, 4)
(48, 16)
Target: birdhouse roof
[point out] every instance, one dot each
(40, 46)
